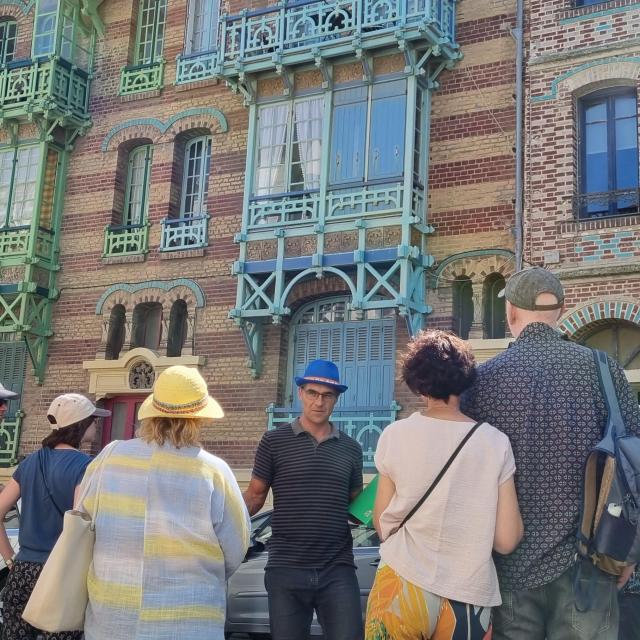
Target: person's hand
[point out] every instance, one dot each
(625, 575)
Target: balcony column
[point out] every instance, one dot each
(477, 329)
(128, 331)
(164, 335)
(187, 348)
(102, 349)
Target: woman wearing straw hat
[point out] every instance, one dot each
(46, 481)
(171, 525)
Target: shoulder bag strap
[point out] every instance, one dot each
(615, 424)
(46, 484)
(439, 477)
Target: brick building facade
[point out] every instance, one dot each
(247, 192)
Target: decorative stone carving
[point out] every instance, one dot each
(262, 250)
(141, 375)
(292, 247)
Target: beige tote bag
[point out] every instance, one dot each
(59, 599)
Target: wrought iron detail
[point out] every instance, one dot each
(179, 234)
(141, 375)
(197, 66)
(126, 240)
(143, 77)
(608, 203)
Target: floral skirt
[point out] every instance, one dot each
(20, 583)
(400, 610)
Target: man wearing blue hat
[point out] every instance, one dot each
(315, 471)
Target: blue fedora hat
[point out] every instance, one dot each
(322, 372)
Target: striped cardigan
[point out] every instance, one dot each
(171, 527)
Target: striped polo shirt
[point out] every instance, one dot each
(312, 483)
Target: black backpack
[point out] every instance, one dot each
(609, 529)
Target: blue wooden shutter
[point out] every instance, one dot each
(386, 142)
(348, 136)
(13, 361)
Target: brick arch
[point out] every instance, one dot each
(154, 291)
(129, 137)
(206, 117)
(475, 267)
(577, 322)
(604, 70)
(14, 11)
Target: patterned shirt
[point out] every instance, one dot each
(171, 527)
(544, 393)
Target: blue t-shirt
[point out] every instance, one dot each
(40, 521)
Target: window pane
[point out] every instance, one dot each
(307, 145)
(197, 163)
(597, 159)
(386, 143)
(139, 166)
(203, 26)
(152, 19)
(24, 186)
(272, 137)
(7, 40)
(6, 169)
(348, 142)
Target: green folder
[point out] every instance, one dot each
(362, 507)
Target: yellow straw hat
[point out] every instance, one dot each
(180, 392)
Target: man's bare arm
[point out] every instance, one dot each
(255, 495)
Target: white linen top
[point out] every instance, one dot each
(446, 546)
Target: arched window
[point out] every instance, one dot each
(202, 26)
(147, 325)
(195, 182)
(8, 37)
(462, 306)
(494, 307)
(137, 189)
(177, 328)
(115, 336)
(620, 339)
(608, 153)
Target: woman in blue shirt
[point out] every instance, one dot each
(46, 481)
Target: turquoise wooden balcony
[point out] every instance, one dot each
(196, 66)
(364, 424)
(28, 86)
(299, 32)
(141, 77)
(10, 438)
(347, 202)
(180, 234)
(15, 244)
(126, 240)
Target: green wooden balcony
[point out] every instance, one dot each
(260, 40)
(180, 234)
(141, 77)
(196, 66)
(15, 243)
(10, 438)
(126, 240)
(364, 424)
(28, 86)
(357, 201)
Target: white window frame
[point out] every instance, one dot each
(202, 26)
(201, 194)
(19, 168)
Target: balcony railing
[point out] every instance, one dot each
(126, 240)
(196, 66)
(364, 424)
(356, 200)
(621, 202)
(288, 28)
(9, 439)
(141, 77)
(32, 84)
(179, 234)
(14, 242)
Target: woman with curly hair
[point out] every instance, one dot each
(436, 578)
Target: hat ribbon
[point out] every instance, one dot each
(188, 407)
(320, 380)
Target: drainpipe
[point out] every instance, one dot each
(518, 35)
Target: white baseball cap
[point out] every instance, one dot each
(70, 408)
(6, 394)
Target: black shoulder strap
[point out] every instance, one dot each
(615, 427)
(46, 485)
(439, 477)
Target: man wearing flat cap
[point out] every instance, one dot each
(544, 393)
(315, 471)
